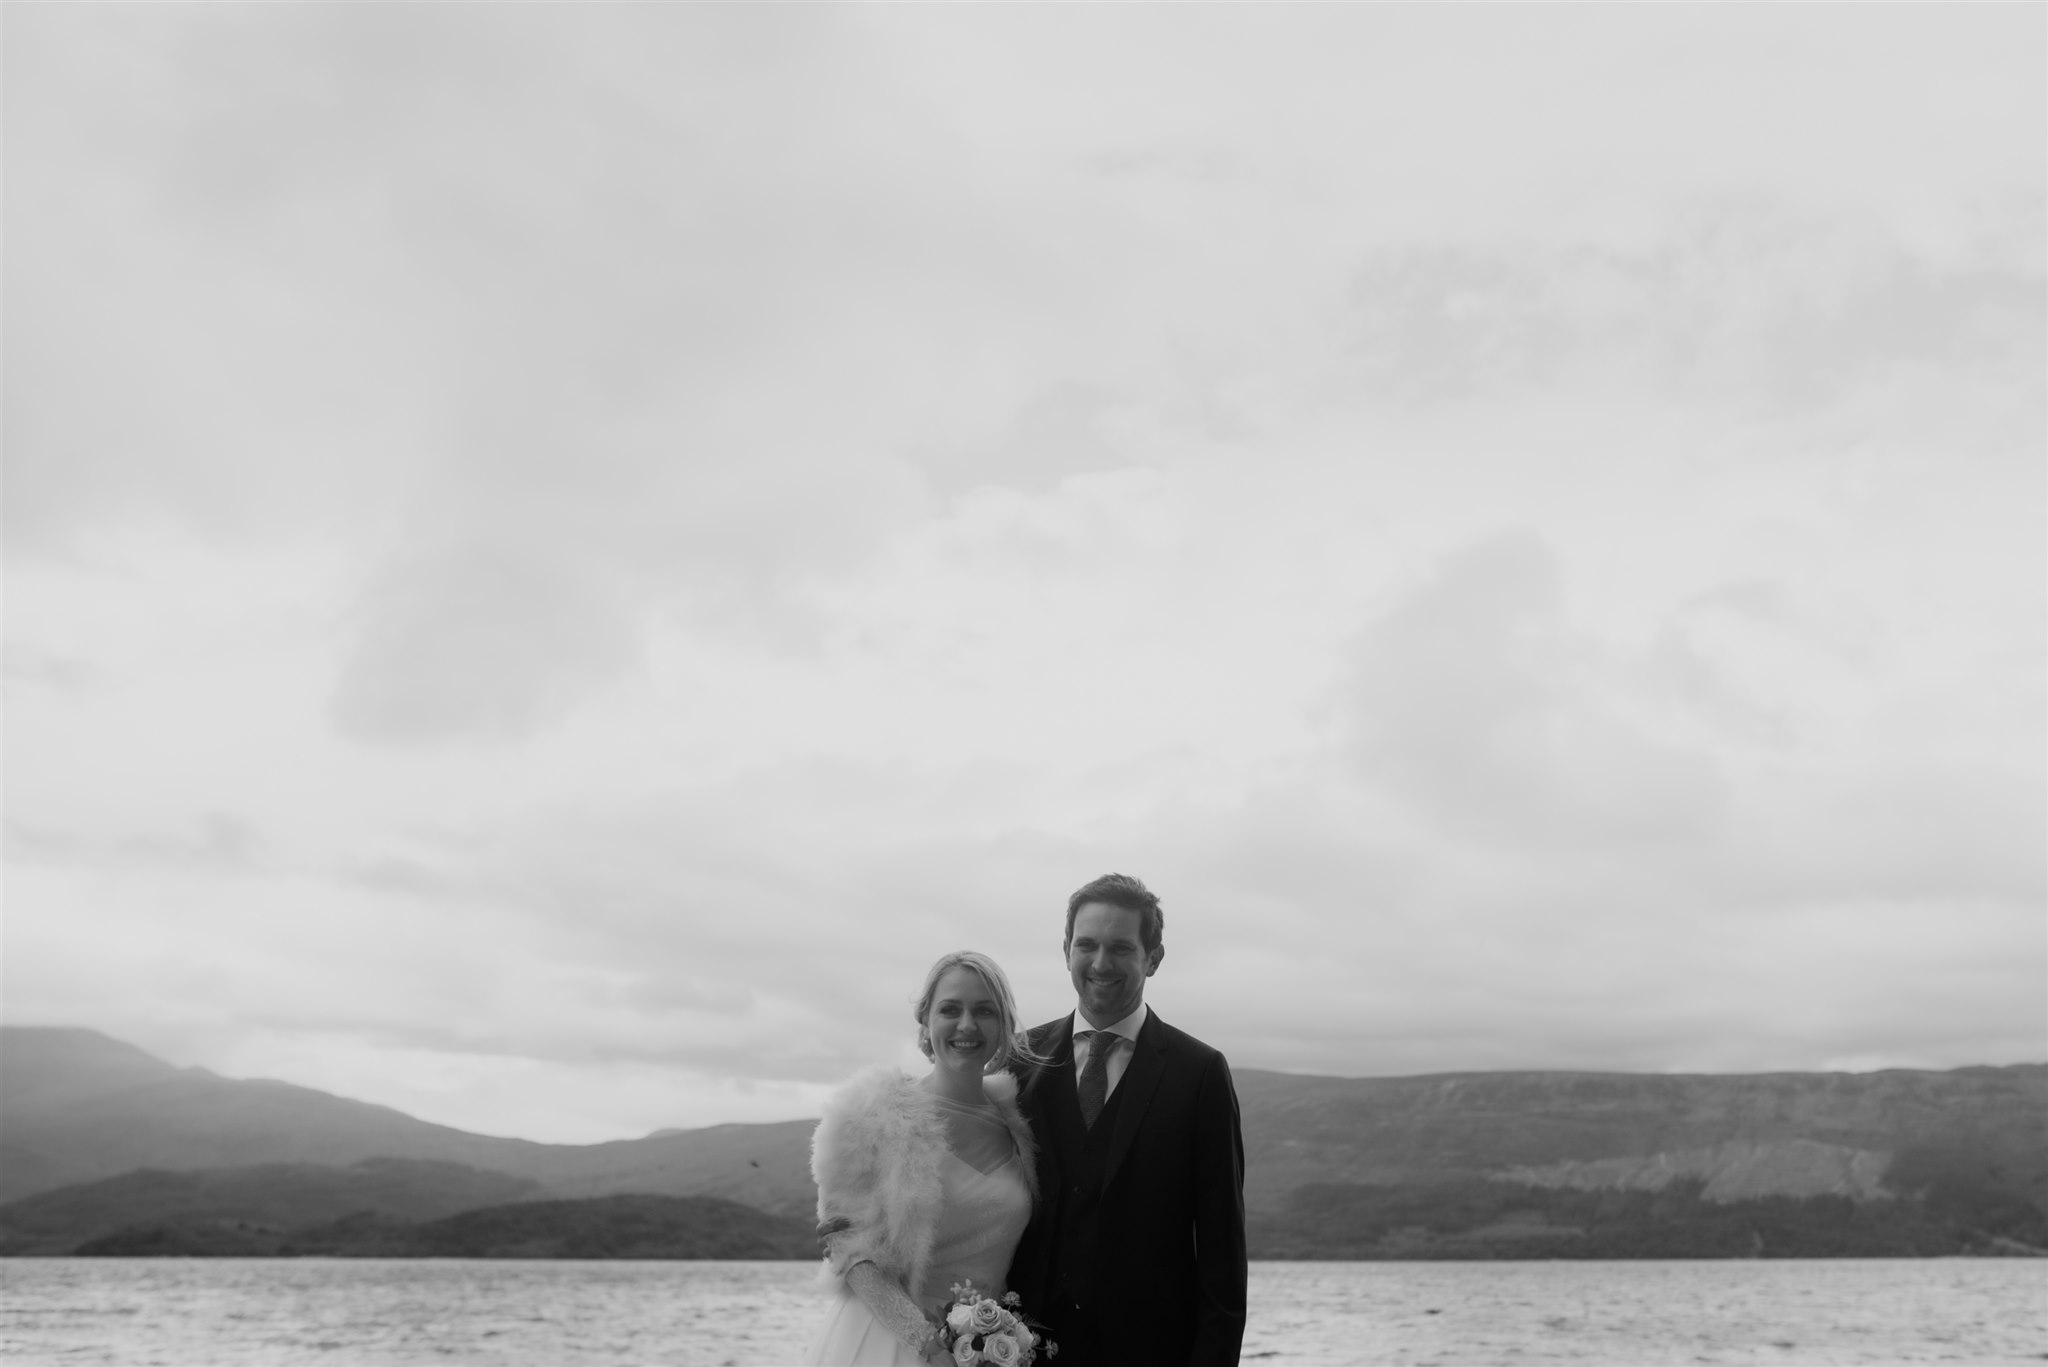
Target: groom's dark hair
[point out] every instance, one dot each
(1122, 890)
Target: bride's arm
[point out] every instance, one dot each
(863, 1197)
(892, 1307)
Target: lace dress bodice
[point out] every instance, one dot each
(984, 1217)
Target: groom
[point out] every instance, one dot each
(1135, 1255)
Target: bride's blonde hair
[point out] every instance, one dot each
(1013, 1045)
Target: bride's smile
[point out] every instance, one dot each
(965, 1020)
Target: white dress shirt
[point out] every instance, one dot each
(1128, 1027)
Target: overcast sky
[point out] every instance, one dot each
(556, 557)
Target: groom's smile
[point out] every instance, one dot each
(1108, 962)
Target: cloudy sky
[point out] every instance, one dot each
(556, 557)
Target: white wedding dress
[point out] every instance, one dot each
(980, 1221)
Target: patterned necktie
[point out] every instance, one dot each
(1095, 1073)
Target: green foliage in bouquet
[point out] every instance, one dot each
(989, 1329)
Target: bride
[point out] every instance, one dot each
(924, 1182)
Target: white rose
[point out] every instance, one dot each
(958, 1317)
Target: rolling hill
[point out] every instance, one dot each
(599, 1227)
(269, 1195)
(77, 1106)
(1741, 1135)
(1461, 1165)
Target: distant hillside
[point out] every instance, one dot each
(76, 1106)
(1458, 1165)
(277, 1195)
(1979, 1214)
(1566, 1165)
(1741, 1135)
(602, 1227)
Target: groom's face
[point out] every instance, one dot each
(1108, 962)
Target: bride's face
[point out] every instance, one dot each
(965, 1021)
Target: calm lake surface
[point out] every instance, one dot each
(342, 1312)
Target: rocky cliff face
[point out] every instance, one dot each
(1752, 1135)
(1739, 1170)
(1519, 1165)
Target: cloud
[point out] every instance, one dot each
(1058, 432)
(223, 841)
(556, 286)
(37, 668)
(1473, 698)
(1937, 835)
(556, 558)
(485, 642)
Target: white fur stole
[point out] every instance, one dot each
(876, 1157)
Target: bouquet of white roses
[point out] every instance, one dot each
(986, 1329)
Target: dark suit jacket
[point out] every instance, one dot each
(1169, 1253)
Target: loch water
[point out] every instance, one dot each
(106, 1312)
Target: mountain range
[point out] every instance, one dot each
(104, 1148)
(76, 1105)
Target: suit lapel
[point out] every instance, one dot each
(1134, 1091)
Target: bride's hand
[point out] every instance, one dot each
(935, 1350)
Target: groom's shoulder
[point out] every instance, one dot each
(1042, 1035)
(1200, 1064)
(1177, 1041)
(1044, 1041)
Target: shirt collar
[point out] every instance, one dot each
(1128, 1027)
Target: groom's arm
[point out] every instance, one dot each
(1219, 1219)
